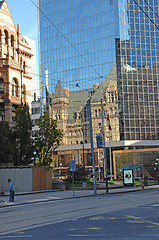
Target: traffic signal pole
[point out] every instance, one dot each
(104, 150)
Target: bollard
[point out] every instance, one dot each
(142, 183)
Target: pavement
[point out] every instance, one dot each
(22, 198)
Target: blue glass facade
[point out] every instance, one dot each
(82, 41)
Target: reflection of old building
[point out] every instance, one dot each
(102, 35)
(15, 56)
(71, 110)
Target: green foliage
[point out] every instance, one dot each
(22, 135)
(79, 174)
(5, 142)
(47, 139)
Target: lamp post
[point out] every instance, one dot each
(92, 149)
(61, 170)
(33, 158)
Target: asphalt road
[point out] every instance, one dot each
(119, 216)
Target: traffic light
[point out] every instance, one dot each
(100, 140)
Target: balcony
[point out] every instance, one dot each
(9, 62)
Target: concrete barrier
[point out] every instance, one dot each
(60, 185)
(26, 179)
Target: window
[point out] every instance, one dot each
(2, 117)
(35, 110)
(1, 86)
(12, 41)
(115, 111)
(111, 111)
(14, 87)
(5, 36)
(24, 67)
(112, 97)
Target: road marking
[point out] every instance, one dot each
(87, 235)
(96, 218)
(133, 217)
(54, 197)
(149, 235)
(94, 228)
(155, 205)
(133, 221)
(24, 236)
(36, 200)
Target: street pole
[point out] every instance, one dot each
(110, 157)
(98, 165)
(73, 183)
(104, 150)
(92, 150)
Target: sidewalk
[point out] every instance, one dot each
(53, 195)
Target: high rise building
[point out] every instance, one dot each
(101, 49)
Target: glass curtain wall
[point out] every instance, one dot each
(100, 49)
(77, 52)
(137, 53)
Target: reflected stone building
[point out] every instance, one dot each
(105, 49)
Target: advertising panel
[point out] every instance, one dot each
(128, 178)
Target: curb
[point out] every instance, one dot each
(84, 196)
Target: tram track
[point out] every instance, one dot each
(17, 218)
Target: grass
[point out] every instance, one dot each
(90, 182)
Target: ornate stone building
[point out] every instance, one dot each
(15, 74)
(71, 110)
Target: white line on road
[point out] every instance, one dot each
(155, 205)
(149, 235)
(87, 235)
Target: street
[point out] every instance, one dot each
(115, 216)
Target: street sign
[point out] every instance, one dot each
(99, 139)
(72, 166)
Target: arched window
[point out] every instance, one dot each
(111, 111)
(12, 41)
(1, 86)
(115, 111)
(14, 87)
(5, 36)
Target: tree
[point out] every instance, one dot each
(23, 147)
(47, 139)
(5, 142)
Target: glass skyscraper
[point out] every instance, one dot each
(87, 44)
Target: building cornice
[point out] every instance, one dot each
(24, 53)
(134, 143)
